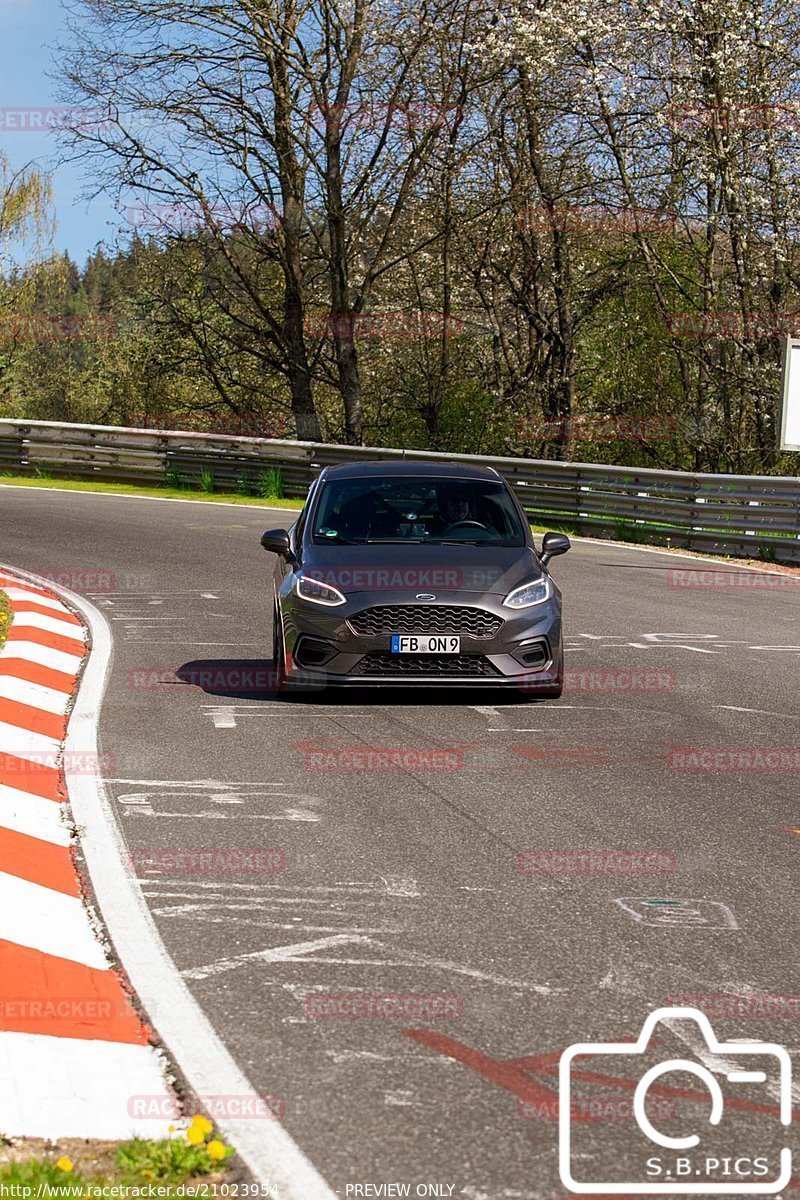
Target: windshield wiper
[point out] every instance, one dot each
(465, 542)
(337, 537)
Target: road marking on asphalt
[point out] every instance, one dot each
(678, 914)
(302, 952)
(757, 711)
(297, 952)
(223, 717)
(687, 1032)
(217, 793)
(398, 1098)
(400, 885)
(148, 620)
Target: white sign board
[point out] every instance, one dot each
(790, 405)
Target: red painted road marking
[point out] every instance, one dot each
(53, 996)
(38, 720)
(506, 1074)
(43, 637)
(511, 1076)
(31, 672)
(29, 776)
(41, 993)
(30, 606)
(38, 862)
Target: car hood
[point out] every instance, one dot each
(416, 568)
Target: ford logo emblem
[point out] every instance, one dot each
(424, 596)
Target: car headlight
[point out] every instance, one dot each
(318, 592)
(529, 594)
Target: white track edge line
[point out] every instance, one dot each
(265, 1146)
(158, 499)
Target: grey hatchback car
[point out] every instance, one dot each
(415, 573)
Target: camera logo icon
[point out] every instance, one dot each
(712, 1151)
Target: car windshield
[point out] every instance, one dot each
(410, 508)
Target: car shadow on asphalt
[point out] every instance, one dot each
(255, 679)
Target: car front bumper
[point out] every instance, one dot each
(356, 659)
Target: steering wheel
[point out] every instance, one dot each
(466, 525)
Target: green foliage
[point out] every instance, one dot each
(167, 1161)
(270, 483)
(43, 1178)
(206, 481)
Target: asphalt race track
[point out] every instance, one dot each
(407, 878)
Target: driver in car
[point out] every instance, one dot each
(455, 506)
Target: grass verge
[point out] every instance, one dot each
(165, 492)
(71, 1169)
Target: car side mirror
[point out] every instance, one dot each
(554, 544)
(277, 542)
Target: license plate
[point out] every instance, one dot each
(425, 643)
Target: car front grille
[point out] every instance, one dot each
(445, 665)
(426, 618)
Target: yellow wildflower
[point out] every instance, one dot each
(64, 1164)
(216, 1150)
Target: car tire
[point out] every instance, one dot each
(278, 653)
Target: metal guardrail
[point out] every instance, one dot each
(755, 516)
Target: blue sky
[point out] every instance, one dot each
(29, 29)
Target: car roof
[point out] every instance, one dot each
(395, 467)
